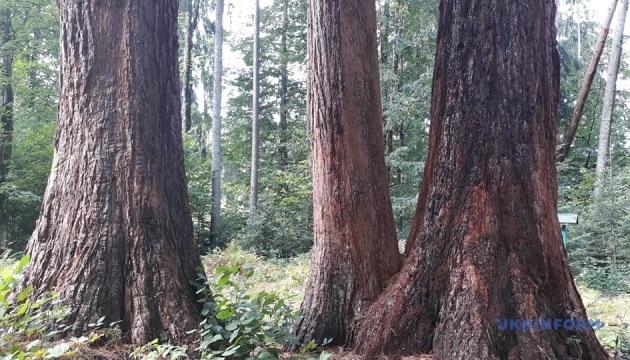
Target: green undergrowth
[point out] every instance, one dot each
(613, 311)
(283, 277)
(249, 306)
(32, 329)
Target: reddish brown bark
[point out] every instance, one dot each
(114, 237)
(485, 242)
(355, 249)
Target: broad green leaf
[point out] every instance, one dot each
(58, 351)
(224, 314)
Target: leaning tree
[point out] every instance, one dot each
(485, 242)
(114, 237)
(355, 249)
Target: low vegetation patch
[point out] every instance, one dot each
(249, 306)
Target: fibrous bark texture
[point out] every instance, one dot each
(355, 249)
(485, 241)
(114, 237)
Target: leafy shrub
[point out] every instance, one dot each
(238, 325)
(599, 247)
(30, 329)
(283, 277)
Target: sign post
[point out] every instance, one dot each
(564, 220)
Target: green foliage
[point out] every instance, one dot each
(614, 313)
(198, 175)
(34, 49)
(281, 227)
(407, 35)
(599, 247)
(238, 325)
(31, 328)
(153, 350)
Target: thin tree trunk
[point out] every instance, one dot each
(609, 98)
(215, 222)
(115, 237)
(284, 80)
(579, 34)
(580, 103)
(355, 249)
(485, 241)
(591, 130)
(192, 16)
(384, 32)
(384, 59)
(6, 117)
(398, 73)
(253, 197)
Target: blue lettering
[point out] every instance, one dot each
(545, 324)
(557, 323)
(569, 324)
(501, 326)
(527, 324)
(514, 324)
(595, 323)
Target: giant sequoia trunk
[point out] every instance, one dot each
(485, 242)
(114, 237)
(355, 249)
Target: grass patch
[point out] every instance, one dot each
(285, 278)
(613, 310)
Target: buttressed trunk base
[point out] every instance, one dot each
(485, 242)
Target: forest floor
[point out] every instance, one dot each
(287, 279)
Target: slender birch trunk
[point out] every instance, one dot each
(215, 223)
(609, 98)
(569, 135)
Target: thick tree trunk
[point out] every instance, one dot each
(485, 242)
(609, 98)
(215, 222)
(580, 103)
(6, 117)
(192, 15)
(355, 249)
(253, 196)
(115, 237)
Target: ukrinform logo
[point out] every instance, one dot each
(547, 324)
